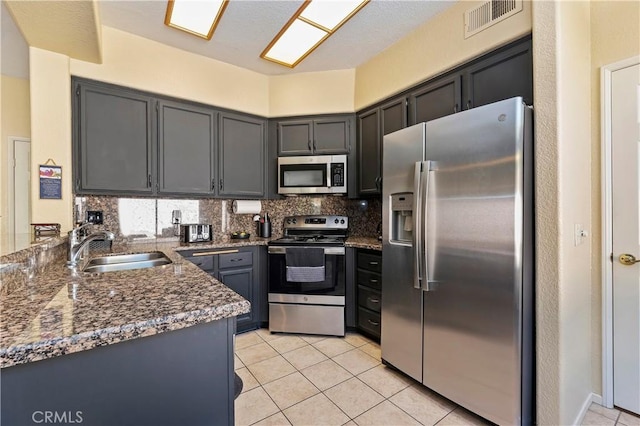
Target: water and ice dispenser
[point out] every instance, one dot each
(401, 230)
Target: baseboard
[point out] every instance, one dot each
(592, 397)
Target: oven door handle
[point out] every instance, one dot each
(327, 250)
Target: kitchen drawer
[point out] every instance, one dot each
(203, 262)
(235, 260)
(370, 261)
(369, 279)
(369, 321)
(369, 299)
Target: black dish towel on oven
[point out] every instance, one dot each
(305, 264)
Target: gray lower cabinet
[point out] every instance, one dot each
(186, 149)
(113, 142)
(369, 291)
(239, 269)
(242, 147)
(175, 378)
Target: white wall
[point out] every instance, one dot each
(51, 132)
(433, 48)
(563, 198)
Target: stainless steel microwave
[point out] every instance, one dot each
(313, 174)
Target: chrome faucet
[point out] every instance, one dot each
(77, 245)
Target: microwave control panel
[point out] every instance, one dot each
(337, 174)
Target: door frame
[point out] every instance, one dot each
(10, 164)
(607, 225)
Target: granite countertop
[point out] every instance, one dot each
(371, 243)
(61, 311)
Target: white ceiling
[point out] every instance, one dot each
(248, 26)
(245, 29)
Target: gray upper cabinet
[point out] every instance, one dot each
(331, 136)
(373, 125)
(295, 137)
(436, 99)
(186, 149)
(326, 135)
(113, 141)
(500, 75)
(242, 146)
(127, 142)
(370, 152)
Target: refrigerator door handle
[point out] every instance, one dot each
(417, 226)
(429, 166)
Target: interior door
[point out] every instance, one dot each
(625, 142)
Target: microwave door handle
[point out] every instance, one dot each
(329, 174)
(417, 226)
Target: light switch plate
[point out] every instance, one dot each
(579, 234)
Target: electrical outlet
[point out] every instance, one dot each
(95, 216)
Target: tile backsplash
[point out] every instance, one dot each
(140, 219)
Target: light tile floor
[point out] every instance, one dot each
(598, 415)
(315, 380)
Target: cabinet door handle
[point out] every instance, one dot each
(373, 300)
(455, 108)
(213, 184)
(221, 184)
(309, 144)
(149, 181)
(314, 145)
(209, 253)
(469, 104)
(374, 323)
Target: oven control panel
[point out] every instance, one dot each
(317, 222)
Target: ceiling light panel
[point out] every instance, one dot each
(330, 13)
(197, 17)
(295, 42)
(312, 23)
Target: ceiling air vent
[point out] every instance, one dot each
(489, 13)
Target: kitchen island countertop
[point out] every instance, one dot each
(61, 310)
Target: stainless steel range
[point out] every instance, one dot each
(307, 276)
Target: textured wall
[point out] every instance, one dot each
(615, 35)
(436, 46)
(137, 62)
(16, 121)
(546, 215)
(311, 93)
(563, 198)
(574, 142)
(50, 132)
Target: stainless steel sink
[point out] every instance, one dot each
(123, 262)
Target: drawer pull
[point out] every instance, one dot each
(373, 281)
(373, 300)
(209, 253)
(236, 260)
(373, 263)
(374, 323)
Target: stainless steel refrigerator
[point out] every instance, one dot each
(457, 258)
